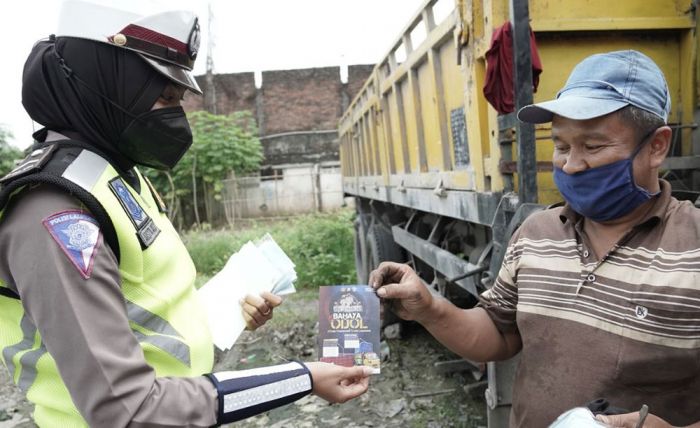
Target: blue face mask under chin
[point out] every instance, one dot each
(603, 193)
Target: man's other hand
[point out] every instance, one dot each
(410, 299)
(629, 420)
(338, 384)
(257, 310)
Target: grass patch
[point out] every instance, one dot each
(320, 245)
(301, 306)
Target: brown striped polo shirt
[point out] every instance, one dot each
(625, 327)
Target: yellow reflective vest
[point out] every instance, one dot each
(157, 282)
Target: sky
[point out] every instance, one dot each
(248, 35)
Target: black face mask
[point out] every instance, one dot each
(157, 138)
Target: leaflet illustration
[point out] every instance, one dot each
(349, 326)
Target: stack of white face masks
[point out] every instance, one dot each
(579, 417)
(278, 258)
(258, 266)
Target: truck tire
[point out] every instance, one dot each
(382, 248)
(361, 259)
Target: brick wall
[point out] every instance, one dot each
(234, 92)
(301, 100)
(290, 100)
(311, 99)
(357, 75)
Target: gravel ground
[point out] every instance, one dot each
(15, 411)
(409, 392)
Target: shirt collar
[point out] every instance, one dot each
(655, 214)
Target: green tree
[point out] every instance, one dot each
(8, 153)
(223, 145)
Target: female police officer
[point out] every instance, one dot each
(99, 321)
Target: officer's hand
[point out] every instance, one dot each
(629, 420)
(257, 310)
(338, 384)
(409, 298)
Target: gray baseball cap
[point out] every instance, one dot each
(604, 83)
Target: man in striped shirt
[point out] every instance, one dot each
(601, 296)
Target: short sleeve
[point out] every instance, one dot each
(500, 301)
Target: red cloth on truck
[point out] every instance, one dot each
(498, 85)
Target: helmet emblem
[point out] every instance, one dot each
(119, 39)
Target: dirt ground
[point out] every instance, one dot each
(409, 392)
(15, 411)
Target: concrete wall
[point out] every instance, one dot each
(301, 147)
(297, 189)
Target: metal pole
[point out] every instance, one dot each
(522, 73)
(210, 91)
(501, 374)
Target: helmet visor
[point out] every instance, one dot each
(174, 73)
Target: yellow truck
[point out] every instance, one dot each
(441, 179)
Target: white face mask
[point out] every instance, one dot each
(579, 417)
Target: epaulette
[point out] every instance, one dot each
(34, 162)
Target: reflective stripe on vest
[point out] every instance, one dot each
(165, 337)
(27, 342)
(85, 170)
(28, 363)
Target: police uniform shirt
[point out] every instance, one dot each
(84, 325)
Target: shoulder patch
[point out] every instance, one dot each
(77, 233)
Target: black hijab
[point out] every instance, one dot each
(76, 100)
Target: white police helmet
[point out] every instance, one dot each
(168, 41)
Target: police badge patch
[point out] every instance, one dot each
(146, 229)
(77, 234)
(133, 209)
